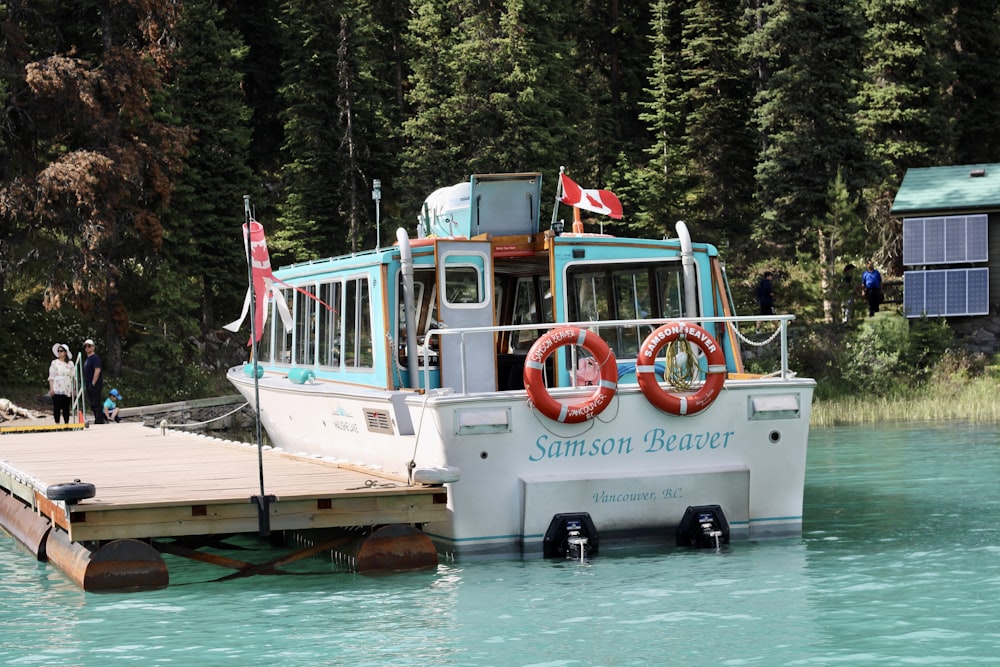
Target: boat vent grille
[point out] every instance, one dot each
(378, 421)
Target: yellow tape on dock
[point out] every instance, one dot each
(41, 428)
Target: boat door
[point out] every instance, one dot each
(465, 299)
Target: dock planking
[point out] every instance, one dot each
(153, 484)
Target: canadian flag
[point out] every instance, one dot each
(598, 201)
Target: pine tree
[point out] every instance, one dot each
(660, 183)
(492, 90)
(903, 106)
(101, 163)
(975, 96)
(718, 136)
(207, 208)
(807, 52)
(839, 233)
(338, 124)
(611, 62)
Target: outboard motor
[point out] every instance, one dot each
(572, 536)
(703, 527)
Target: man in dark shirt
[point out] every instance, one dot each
(765, 295)
(93, 381)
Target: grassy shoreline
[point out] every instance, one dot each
(970, 400)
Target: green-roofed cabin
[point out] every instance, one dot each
(951, 260)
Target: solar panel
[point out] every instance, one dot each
(913, 293)
(934, 241)
(979, 291)
(946, 292)
(913, 241)
(954, 240)
(976, 238)
(960, 239)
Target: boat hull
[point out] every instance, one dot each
(633, 469)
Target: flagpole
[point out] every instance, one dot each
(555, 206)
(262, 500)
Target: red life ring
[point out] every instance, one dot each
(535, 384)
(645, 369)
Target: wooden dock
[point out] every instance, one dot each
(153, 484)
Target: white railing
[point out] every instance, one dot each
(732, 325)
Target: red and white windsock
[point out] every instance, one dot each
(263, 282)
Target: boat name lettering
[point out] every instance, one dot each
(657, 440)
(637, 496)
(342, 425)
(554, 340)
(557, 449)
(676, 331)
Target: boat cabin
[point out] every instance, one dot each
(459, 305)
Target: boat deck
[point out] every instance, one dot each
(154, 484)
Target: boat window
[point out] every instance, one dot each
(532, 305)
(357, 324)
(425, 305)
(419, 306)
(329, 324)
(670, 287)
(424, 302)
(639, 291)
(305, 326)
(264, 345)
(590, 295)
(283, 339)
(632, 301)
(463, 285)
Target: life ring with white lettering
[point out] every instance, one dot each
(675, 403)
(539, 395)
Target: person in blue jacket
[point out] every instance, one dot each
(871, 287)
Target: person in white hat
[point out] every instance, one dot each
(61, 376)
(93, 381)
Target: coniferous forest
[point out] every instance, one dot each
(132, 129)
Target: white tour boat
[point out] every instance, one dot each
(570, 390)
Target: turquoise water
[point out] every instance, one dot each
(898, 564)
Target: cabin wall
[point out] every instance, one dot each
(979, 334)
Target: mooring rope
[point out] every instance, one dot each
(681, 365)
(372, 484)
(164, 424)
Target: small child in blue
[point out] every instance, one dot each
(111, 406)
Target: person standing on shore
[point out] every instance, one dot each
(93, 381)
(871, 287)
(765, 294)
(62, 372)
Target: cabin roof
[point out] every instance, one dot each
(956, 188)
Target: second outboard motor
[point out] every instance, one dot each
(571, 535)
(704, 527)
